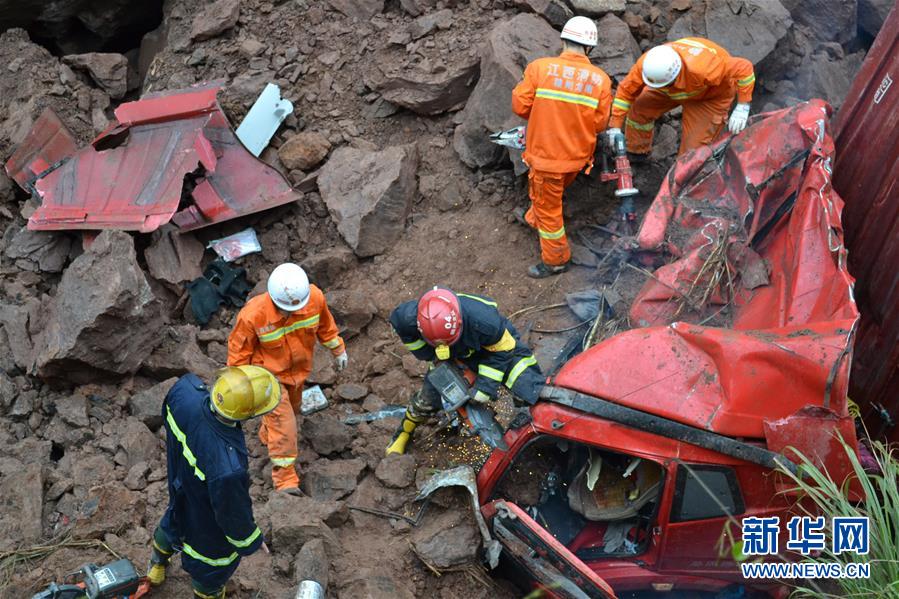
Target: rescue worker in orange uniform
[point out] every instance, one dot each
(566, 101)
(692, 72)
(278, 330)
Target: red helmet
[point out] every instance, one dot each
(439, 317)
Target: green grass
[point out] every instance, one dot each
(879, 502)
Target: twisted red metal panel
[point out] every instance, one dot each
(866, 175)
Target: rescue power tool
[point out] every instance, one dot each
(118, 580)
(511, 138)
(454, 390)
(616, 167)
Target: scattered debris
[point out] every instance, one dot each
(234, 246)
(313, 400)
(389, 412)
(219, 284)
(263, 119)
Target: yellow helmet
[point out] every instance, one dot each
(242, 392)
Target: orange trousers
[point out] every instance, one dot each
(702, 121)
(545, 214)
(278, 432)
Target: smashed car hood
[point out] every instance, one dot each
(790, 340)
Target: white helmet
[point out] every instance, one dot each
(288, 286)
(580, 30)
(661, 66)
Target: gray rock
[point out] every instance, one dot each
(827, 20)
(750, 30)
(823, 76)
(110, 508)
(295, 521)
(555, 12)
(39, 251)
(596, 8)
(352, 309)
(173, 256)
(422, 26)
(423, 87)
(618, 51)
(447, 539)
(104, 317)
(360, 9)
(108, 70)
(510, 46)
(146, 405)
(21, 495)
(332, 479)
(73, 410)
(351, 391)
(22, 405)
(312, 563)
(139, 443)
(18, 322)
(872, 14)
(582, 256)
(8, 391)
(136, 479)
(369, 195)
(397, 471)
(178, 354)
(216, 18)
(326, 267)
(417, 7)
(326, 435)
(375, 583)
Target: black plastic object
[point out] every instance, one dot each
(453, 388)
(118, 579)
(219, 284)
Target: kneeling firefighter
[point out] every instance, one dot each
(469, 330)
(209, 518)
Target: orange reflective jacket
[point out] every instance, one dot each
(264, 337)
(708, 71)
(566, 102)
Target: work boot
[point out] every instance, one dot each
(403, 434)
(543, 270)
(158, 563)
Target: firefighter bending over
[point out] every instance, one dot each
(469, 330)
(692, 72)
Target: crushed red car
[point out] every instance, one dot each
(647, 449)
(169, 156)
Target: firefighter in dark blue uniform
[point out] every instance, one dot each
(210, 515)
(470, 330)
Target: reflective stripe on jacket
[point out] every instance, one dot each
(489, 346)
(708, 71)
(566, 101)
(210, 513)
(262, 336)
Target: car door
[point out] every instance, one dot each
(532, 549)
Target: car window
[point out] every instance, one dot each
(706, 492)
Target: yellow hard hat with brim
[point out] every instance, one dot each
(242, 392)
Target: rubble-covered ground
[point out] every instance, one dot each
(401, 190)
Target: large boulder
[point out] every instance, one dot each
(178, 354)
(872, 14)
(39, 251)
(369, 195)
(146, 405)
(328, 480)
(827, 74)
(555, 12)
(749, 29)
(509, 47)
(104, 317)
(596, 8)
(447, 540)
(108, 70)
(326, 267)
(618, 51)
(827, 20)
(295, 521)
(110, 509)
(352, 309)
(424, 86)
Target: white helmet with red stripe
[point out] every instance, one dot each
(580, 30)
(661, 66)
(288, 286)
